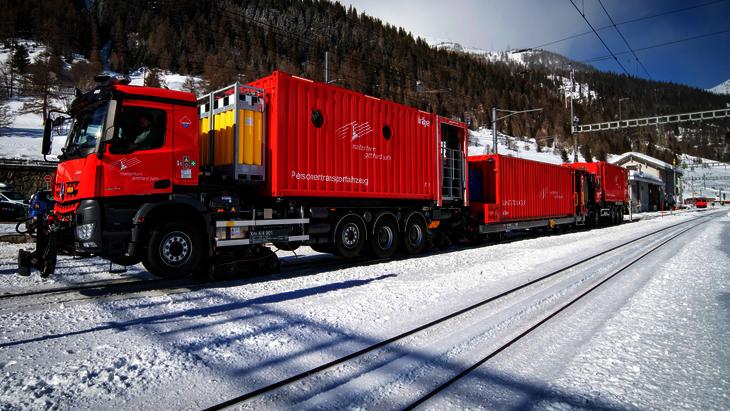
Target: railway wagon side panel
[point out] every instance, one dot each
(613, 181)
(325, 141)
(515, 189)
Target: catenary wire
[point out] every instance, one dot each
(624, 39)
(599, 37)
(630, 21)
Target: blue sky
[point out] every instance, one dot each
(501, 25)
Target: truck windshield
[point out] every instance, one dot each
(86, 130)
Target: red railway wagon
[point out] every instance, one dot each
(326, 141)
(510, 193)
(608, 191)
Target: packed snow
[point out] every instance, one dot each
(652, 338)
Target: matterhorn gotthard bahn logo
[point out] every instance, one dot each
(353, 131)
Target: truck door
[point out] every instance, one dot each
(140, 158)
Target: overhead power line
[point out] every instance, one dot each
(624, 39)
(599, 37)
(630, 21)
(655, 46)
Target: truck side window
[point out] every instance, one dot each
(142, 128)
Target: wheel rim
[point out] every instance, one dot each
(385, 238)
(415, 235)
(350, 235)
(175, 249)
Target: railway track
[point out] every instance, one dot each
(294, 266)
(417, 349)
(114, 290)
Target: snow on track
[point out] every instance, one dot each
(196, 349)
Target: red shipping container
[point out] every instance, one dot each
(515, 189)
(326, 141)
(612, 185)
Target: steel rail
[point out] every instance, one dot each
(527, 332)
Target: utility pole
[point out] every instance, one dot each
(494, 130)
(494, 121)
(573, 120)
(619, 107)
(327, 67)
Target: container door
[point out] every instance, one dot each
(454, 176)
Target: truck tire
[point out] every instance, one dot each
(349, 237)
(174, 250)
(384, 240)
(414, 238)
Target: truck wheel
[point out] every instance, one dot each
(349, 237)
(415, 236)
(174, 250)
(384, 240)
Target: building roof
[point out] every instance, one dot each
(646, 178)
(659, 164)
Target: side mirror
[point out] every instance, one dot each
(108, 135)
(106, 140)
(47, 144)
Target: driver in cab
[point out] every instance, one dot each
(150, 134)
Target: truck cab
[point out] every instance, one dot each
(106, 172)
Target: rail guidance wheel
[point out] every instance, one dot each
(383, 242)
(349, 237)
(415, 236)
(174, 250)
(269, 263)
(226, 267)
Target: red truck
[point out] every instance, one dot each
(186, 184)
(607, 193)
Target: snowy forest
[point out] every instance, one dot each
(220, 42)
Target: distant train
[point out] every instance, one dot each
(699, 202)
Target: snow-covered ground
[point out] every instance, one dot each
(655, 337)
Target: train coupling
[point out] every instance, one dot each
(42, 259)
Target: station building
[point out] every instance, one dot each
(653, 182)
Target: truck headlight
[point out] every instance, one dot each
(85, 231)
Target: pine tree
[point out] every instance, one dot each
(43, 87)
(155, 79)
(21, 59)
(191, 86)
(564, 155)
(6, 114)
